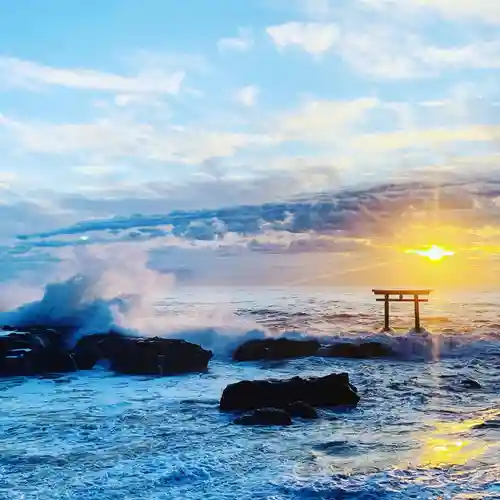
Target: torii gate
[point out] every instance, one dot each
(400, 297)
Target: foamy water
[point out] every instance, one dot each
(418, 431)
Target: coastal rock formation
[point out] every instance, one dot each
(34, 351)
(265, 416)
(275, 349)
(302, 410)
(362, 350)
(331, 390)
(37, 350)
(152, 356)
(470, 383)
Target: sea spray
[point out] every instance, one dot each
(114, 289)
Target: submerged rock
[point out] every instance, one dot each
(470, 383)
(34, 351)
(275, 349)
(141, 356)
(265, 416)
(363, 350)
(302, 410)
(331, 390)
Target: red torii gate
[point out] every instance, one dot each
(399, 296)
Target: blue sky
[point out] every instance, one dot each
(117, 108)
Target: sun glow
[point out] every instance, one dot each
(434, 253)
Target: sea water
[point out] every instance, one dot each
(418, 432)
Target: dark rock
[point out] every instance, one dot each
(132, 355)
(275, 349)
(91, 349)
(363, 350)
(34, 352)
(302, 410)
(471, 384)
(489, 424)
(331, 390)
(265, 416)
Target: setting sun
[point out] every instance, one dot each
(434, 253)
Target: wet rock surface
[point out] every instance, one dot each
(39, 350)
(265, 416)
(328, 391)
(33, 351)
(152, 356)
(275, 349)
(363, 350)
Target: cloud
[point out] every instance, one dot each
(315, 238)
(320, 120)
(30, 75)
(241, 43)
(386, 50)
(247, 95)
(361, 212)
(432, 137)
(315, 38)
(113, 139)
(486, 11)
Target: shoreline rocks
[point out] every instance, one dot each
(329, 391)
(34, 351)
(361, 350)
(37, 351)
(284, 348)
(275, 349)
(141, 356)
(265, 416)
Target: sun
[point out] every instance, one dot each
(434, 253)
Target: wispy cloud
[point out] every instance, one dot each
(247, 95)
(240, 43)
(28, 74)
(315, 38)
(112, 139)
(486, 11)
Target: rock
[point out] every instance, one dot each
(361, 350)
(132, 355)
(302, 410)
(471, 384)
(331, 390)
(91, 349)
(265, 416)
(34, 352)
(275, 349)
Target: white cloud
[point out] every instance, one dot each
(487, 11)
(428, 137)
(111, 140)
(318, 121)
(315, 38)
(28, 74)
(384, 51)
(247, 95)
(240, 43)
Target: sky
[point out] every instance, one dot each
(252, 142)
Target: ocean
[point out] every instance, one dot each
(420, 430)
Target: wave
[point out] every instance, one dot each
(123, 297)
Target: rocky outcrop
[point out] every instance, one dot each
(275, 349)
(34, 351)
(362, 350)
(152, 356)
(302, 410)
(265, 416)
(470, 383)
(331, 390)
(38, 350)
